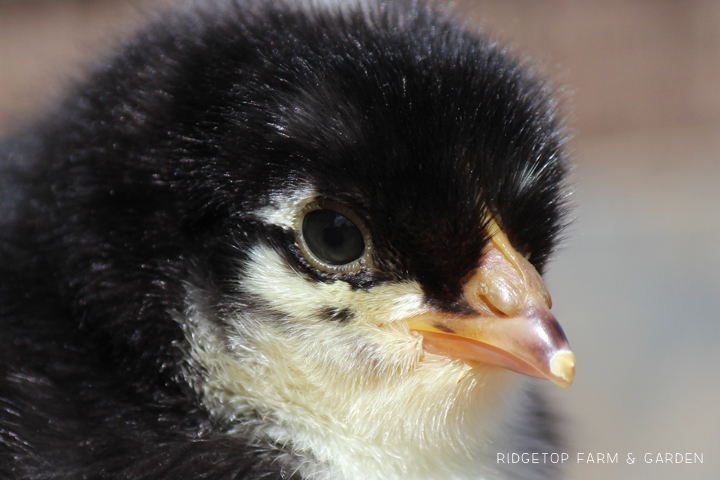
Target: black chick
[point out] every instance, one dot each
(284, 241)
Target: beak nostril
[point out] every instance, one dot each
(497, 286)
(491, 307)
(505, 283)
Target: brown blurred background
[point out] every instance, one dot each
(637, 285)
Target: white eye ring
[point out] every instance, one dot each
(310, 247)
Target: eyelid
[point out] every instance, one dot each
(361, 263)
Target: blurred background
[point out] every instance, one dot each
(637, 284)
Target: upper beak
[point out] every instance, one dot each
(514, 328)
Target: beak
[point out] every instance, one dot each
(514, 329)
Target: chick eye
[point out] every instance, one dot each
(332, 237)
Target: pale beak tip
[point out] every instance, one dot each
(562, 368)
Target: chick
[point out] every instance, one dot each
(284, 240)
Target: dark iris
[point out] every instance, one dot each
(332, 237)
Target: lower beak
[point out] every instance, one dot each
(532, 344)
(514, 328)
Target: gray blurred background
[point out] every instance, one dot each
(637, 284)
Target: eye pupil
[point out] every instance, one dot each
(332, 237)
